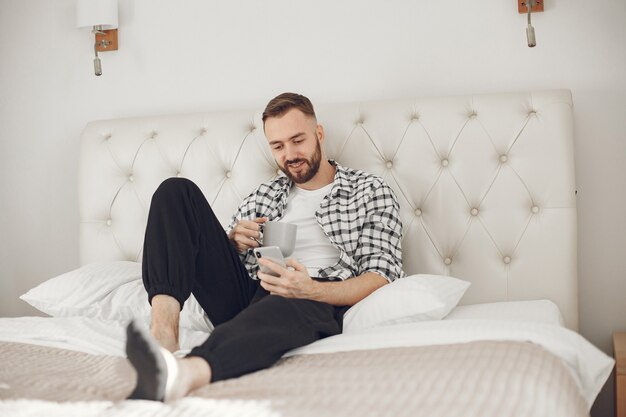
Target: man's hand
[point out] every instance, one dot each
(293, 282)
(246, 234)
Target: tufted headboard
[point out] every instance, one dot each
(485, 182)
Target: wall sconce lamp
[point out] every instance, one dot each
(529, 6)
(101, 16)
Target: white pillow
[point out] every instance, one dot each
(106, 290)
(413, 298)
(536, 311)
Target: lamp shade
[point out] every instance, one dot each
(96, 13)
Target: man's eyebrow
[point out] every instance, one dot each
(275, 142)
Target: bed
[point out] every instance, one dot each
(485, 323)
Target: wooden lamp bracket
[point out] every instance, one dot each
(521, 6)
(106, 41)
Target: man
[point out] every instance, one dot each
(348, 245)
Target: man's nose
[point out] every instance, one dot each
(290, 153)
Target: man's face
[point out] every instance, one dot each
(295, 144)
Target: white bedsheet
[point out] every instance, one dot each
(589, 366)
(106, 337)
(95, 336)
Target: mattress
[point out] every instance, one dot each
(482, 378)
(465, 366)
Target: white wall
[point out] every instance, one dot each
(199, 55)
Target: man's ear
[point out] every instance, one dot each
(319, 130)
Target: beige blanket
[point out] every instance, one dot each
(469, 379)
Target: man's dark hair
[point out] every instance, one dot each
(284, 102)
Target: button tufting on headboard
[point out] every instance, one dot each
(467, 205)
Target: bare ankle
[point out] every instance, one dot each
(167, 337)
(195, 372)
(165, 321)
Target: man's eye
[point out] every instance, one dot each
(277, 148)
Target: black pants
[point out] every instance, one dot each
(187, 251)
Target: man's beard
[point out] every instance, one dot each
(307, 175)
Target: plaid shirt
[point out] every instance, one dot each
(360, 217)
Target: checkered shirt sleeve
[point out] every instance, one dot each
(379, 248)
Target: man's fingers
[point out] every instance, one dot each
(248, 225)
(272, 284)
(268, 278)
(271, 265)
(295, 264)
(272, 289)
(252, 224)
(252, 232)
(244, 242)
(251, 228)
(247, 233)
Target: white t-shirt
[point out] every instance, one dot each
(313, 248)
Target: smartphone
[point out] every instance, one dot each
(272, 253)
